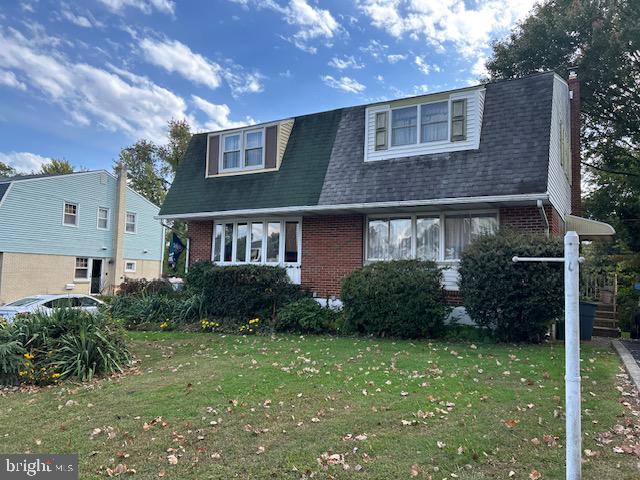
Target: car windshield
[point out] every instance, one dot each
(24, 301)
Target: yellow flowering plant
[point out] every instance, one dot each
(207, 325)
(250, 327)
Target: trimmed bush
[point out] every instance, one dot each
(132, 286)
(41, 349)
(399, 298)
(241, 291)
(517, 302)
(307, 316)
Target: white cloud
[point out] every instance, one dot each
(479, 69)
(375, 49)
(146, 6)
(439, 22)
(218, 115)
(345, 62)
(395, 58)
(176, 57)
(424, 67)
(24, 162)
(380, 78)
(79, 20)
(10, 80)
(114, 100)
(345, 84)
(312, 22)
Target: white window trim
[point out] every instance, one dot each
(413, 216)
(108, 218)
(242, 134)
(265, 221)
(89, 270)
(74, 225)
(130, 270)
(135, 223)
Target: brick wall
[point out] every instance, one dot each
(528, 219)
(332, 247)
(200, 236)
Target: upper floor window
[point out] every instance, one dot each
(403, 126)
(434, 121)
(70, 216)
(103, 218)
(131, 221)
(243, 150)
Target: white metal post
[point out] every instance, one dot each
(572, 355)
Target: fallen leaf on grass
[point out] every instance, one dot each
(120, 469)
(172, 459)
(414, 471)
(535, 474)
(511, 423)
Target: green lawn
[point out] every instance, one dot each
(261, 407)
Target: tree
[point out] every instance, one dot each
(56, 167)
(179, 136)
(6, 170)
(601, 38)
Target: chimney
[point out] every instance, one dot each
(118, 231)
(576, 155)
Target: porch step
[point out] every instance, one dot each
(605, 307)
(605, 322)
(606, 332)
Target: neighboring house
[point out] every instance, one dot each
(80, 232)
(419, 177)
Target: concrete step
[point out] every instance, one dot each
(606, 332)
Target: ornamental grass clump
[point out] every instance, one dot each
(42, 349)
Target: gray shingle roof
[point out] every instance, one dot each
(323, 163)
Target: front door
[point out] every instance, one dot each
(96, 276)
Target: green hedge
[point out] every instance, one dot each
(515, 301)
(399, 298)
(307, 316)
(241, 291)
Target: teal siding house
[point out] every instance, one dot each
(81, 232)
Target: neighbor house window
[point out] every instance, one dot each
(422, 236)
(243, 150)
(461, 230)
(458, 120)
(129, 266)
(434, 121)
(70, 216)
(264, 241)
(403, 126)
(130, 222)
(231, 151)
(381, 130)
(82, 269)
(103, 218)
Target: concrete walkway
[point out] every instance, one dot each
(629, 351)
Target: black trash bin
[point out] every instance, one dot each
(587, 316)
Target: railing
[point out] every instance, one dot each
(599, 286)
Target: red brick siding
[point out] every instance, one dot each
(453, 298)
(332, 247)
(528, 219)
(200, 236)
(576, 156)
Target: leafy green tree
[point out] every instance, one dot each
(6, 170)
(179, 136)
(601, 39)
(56, 167)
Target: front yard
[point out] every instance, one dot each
(205, 406)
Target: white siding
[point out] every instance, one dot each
(475, 106)
(559, 186)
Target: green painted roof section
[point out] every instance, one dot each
(298, 182)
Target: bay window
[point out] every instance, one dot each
(257, 241)
(422, 236)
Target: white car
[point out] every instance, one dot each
(47, 304)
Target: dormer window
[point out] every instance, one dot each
(434, 121)
(403, 126)
(243, 150)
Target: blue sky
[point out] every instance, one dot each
(81, 80)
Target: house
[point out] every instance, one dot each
(80, 232)
(323, 194)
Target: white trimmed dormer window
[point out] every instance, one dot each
(242, 150)
(424, 125)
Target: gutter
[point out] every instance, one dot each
(544, 217)
(528, 197)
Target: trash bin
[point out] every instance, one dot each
(587, 316)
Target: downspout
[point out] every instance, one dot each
(544, 217)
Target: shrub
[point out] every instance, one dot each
(399, 298)
(515, 301)
(307, 316)
(147, 311)
(241, 291)
(40, 349)
(132, 286)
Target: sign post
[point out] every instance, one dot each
(572, 260)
